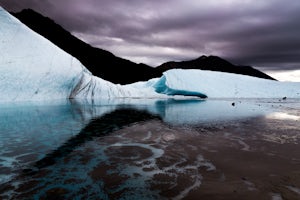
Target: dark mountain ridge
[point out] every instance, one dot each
(100, 62)
(214, 63)
(106, 65)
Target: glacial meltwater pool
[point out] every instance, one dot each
(151, 149)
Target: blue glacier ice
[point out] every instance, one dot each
(161, 87)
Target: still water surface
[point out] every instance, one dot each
(150, 149)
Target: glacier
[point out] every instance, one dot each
(32, 68)
(214, 84)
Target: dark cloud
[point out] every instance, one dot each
(264, 34)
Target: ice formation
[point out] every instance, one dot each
(32, 68)
(223, 85)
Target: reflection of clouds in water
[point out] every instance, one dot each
(283, 116)
(281, 127)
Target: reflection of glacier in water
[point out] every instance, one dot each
(178, 112)
(117, 149)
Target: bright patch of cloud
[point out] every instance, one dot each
(291, 75)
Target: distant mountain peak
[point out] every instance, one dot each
(211, 58)
(214, 63)
(202, 57)
(29, 10)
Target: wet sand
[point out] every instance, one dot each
(253, 158)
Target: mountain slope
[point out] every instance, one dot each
(214, 63)
(117, 70)
(100, 62)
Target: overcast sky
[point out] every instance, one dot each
(264, 34)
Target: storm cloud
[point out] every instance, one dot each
(264, 34)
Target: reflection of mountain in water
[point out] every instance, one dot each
(180, 111)
(40, 129)
(175, 112)
(97, 127)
